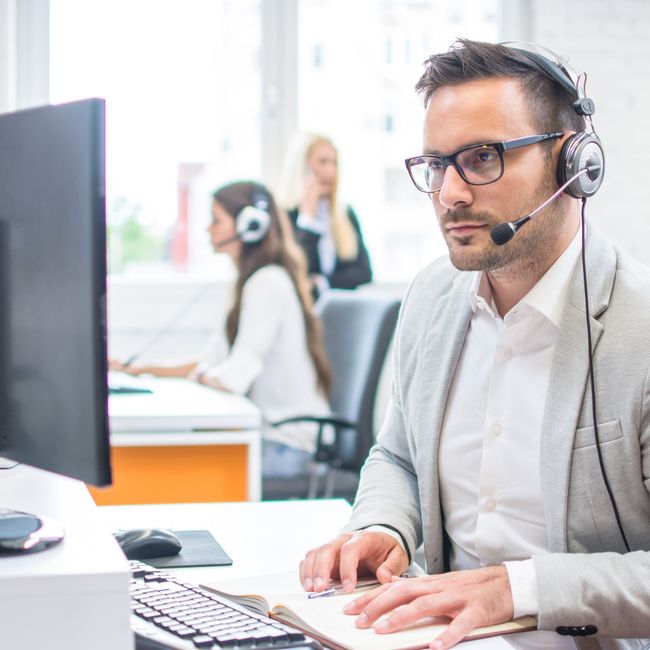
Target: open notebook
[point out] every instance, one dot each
(281, 596)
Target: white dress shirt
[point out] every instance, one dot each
(269, 360)
(492, 430)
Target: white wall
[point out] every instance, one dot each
(609, 40)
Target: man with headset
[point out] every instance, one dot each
(522, 467)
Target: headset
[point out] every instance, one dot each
(582, 150)
(580, 172)
(252, 222)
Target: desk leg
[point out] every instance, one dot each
(254, 461)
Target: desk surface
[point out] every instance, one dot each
(177, 405)
(270, 537)
(261, 538)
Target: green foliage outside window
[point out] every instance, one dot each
(129, 239)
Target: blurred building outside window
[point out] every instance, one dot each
(183, 86)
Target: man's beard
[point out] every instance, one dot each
(523, 255)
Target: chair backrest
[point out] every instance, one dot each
(357, 328)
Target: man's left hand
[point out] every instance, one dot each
(470, 599)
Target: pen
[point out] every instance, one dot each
(339, 590)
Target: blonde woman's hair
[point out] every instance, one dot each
(292, 184)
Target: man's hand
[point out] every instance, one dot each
(470, 599)
(350, 555)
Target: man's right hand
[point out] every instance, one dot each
(352, 555)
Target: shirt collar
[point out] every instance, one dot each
(547, 296)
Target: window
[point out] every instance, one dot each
(362, 96)
(182, 85)
(185, 95)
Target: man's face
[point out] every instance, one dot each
(477, 112)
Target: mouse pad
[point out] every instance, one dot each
(199, 549)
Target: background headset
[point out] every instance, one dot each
(580, 172)
(253, 221)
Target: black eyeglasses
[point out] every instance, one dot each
(478, 164)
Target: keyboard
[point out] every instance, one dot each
(168, 613)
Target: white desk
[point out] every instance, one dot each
(72, 596)
(174, 428)
(271, 537)
(264, 537)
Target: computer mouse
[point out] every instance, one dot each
(143, 543)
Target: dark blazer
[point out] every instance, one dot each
(347, 274)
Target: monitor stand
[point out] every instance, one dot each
(5, 463)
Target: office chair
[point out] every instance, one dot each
(357, 330)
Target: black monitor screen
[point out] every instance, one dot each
(53, 394)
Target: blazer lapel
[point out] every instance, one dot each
(568, 383)
(440, 351)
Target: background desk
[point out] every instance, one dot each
(182, 443)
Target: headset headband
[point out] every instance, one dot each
(557, 70)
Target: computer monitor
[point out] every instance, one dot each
(53, 392)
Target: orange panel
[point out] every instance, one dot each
(175, 475)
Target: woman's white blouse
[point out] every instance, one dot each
(269, 361)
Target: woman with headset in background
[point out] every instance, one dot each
(327, 230)
(270, 347)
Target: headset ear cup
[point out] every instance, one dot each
(580, 151)
(252, 224)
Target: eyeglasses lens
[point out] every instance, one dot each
(480, 166)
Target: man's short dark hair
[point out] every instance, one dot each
(549, 102)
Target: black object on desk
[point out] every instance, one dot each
(123, 389)
(199, 548)
(143, 543)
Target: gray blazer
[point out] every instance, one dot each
(587, 578)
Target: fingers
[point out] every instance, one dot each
(469, 599)
(371, 606)
(359, 547)
(357, 605)
(349, 555)
(370, 552)
(321, 564)
(394, 565)
(457, 630)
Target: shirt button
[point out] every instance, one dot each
(507, 354)
(489, 505)
(496, 429)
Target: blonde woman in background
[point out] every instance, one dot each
(327, 230)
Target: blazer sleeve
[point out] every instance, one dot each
(388, 491)
(352, 273)
(606, 589)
